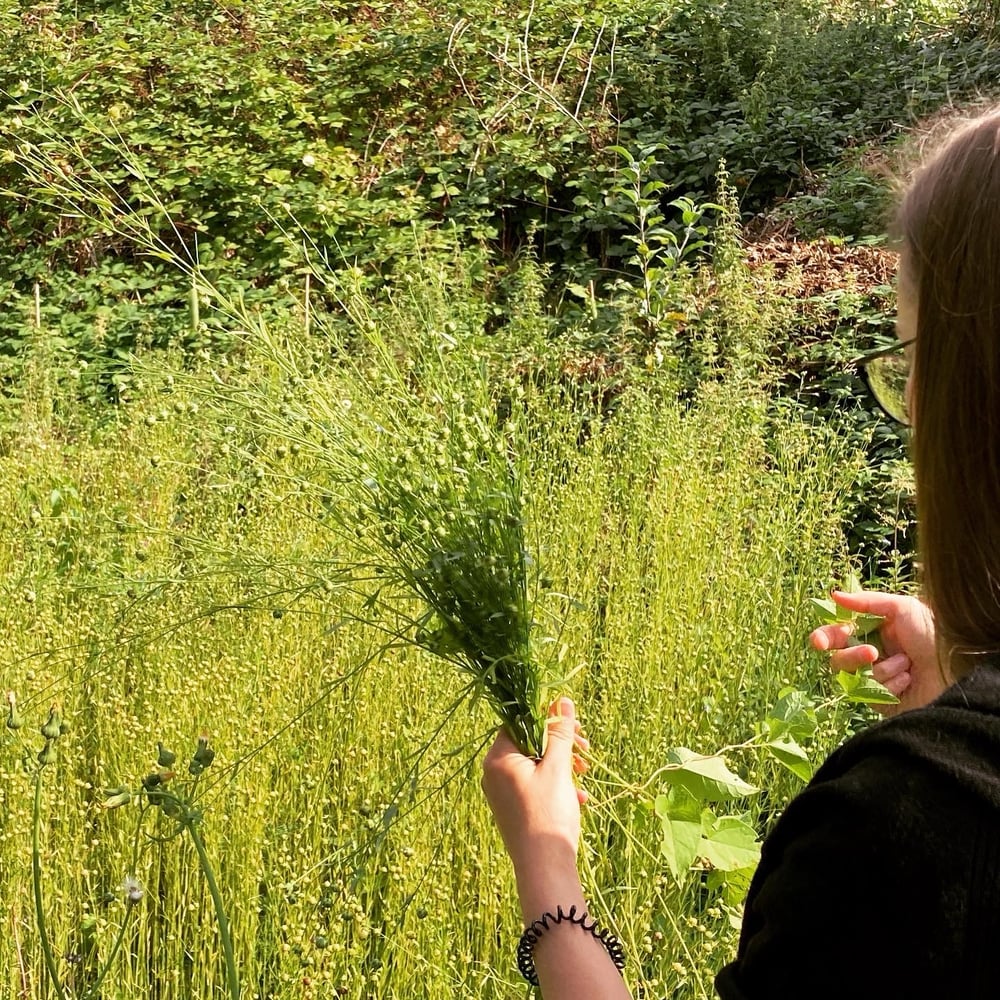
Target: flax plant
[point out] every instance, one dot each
(411, 462)
(424, 484)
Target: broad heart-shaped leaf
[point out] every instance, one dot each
(793, 714)
(863, 689)
(863, 624)
(708, 779)
(734, 884)
(680, 818)
(787, 752)
(828, 612)
(730, 844)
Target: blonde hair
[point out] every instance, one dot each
(949, 222)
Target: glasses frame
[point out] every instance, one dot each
(863, 361)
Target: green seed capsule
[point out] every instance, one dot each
(14, 720)
(116, 797)
(47, 754)
(165, 757)
(51, 730)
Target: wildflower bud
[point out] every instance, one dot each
(51, 730)
(14, 720)
(115, 797)
(164, 757)
(169, 806)
(203, 756)
(47, 754)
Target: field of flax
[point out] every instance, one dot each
(169, 572)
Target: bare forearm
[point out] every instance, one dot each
(571, 963)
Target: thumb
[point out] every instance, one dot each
(561, 725)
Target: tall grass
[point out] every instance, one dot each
(173, 571)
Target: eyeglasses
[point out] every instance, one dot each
(886, 373)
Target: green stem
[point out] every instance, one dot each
(96, 985)
(232, 976)
(36, 885)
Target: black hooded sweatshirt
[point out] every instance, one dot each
(882, 878)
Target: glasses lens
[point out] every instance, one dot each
(887, 377)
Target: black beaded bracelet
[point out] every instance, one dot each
(534, 931)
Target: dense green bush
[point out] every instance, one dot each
(364, 121)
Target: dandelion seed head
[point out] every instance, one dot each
(132, 889)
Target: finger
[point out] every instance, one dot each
(561, 732)
(853, 658)
(869, 602)
(831, 636)
(899, 683)
(582, 743)
(885, 670)
(580, 766)
(582, 797)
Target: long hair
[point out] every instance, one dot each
(949, 222)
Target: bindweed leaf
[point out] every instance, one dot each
(707, 778)
(793, 715)
(863, 689)
(680, 820)
(730, 844)
(734, 885)
(788, 753)
(863, 624)
(827, 611)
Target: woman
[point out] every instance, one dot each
(882, 878)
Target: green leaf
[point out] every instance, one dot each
(680, 820)
(793, 714)
(863, 689)
(707, 778)
(863, 624)
(734, 885)
(829, 611)
(731, 844)
(788, 753)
